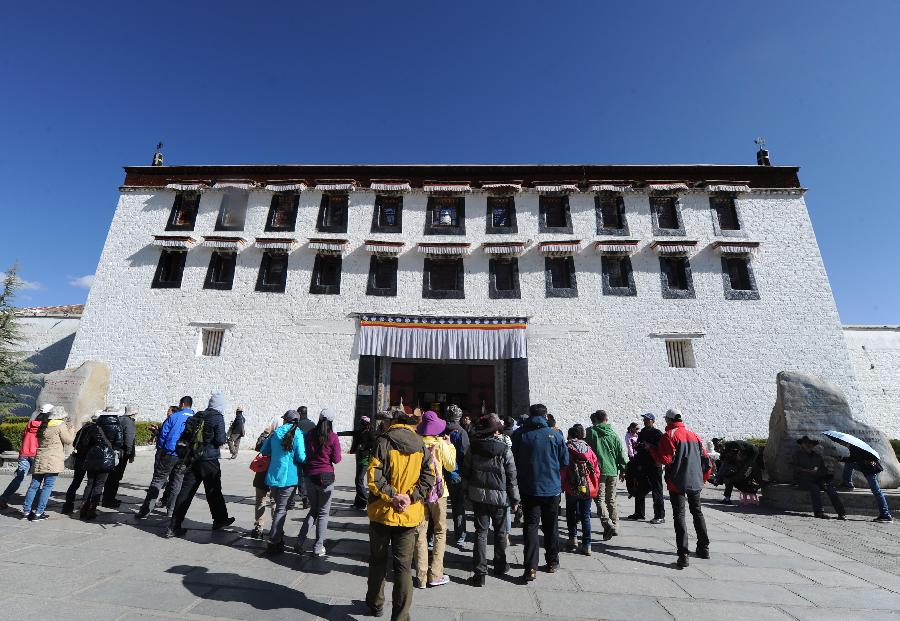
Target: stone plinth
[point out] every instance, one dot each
(82, 390)
(859, 501)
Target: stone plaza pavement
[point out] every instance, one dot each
(118, 568)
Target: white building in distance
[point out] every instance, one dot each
(627, 288)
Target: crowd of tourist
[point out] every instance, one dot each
(409, 465)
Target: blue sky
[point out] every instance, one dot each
(86, 88)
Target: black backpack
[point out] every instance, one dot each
(579, 475)
(190, 443)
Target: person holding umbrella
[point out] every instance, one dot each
(864, 458)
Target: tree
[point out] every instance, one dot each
(15, 371)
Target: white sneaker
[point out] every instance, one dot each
(445, 579)
(319, 551)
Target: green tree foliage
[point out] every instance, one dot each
(15, 371)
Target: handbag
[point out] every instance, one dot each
(260, 463)
(115, 453)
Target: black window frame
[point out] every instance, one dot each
(443, 294)
(271, 227)
(739, 294)
(561, 292)
(372, 288)
(179, 257)
(715, 210)
(218, 259)
(220, 225)
(504, 294)
(178, 207)
(543, 227)
(436, 229)
(654, 215)
(315, 286)
(512, 227)
(672, 293)
(606, 261)
(333, 216)
(602, 229)
(380, 199)
(265, 268)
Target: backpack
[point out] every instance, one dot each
(190, 443)
(437, 490)
(579, 475)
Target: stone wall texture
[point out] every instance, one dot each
(592, 351)
(875, 356)
(46, 343)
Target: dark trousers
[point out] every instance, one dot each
(208, 473)
(77, 480)
(458, 509)
(166, 470)
(578, 510)
(487, 516)
(815, 495)
(362, 483)
(543, 512)
(111, 489)
(93, 489)
(655, 480)
(692, 500)
(402, 541)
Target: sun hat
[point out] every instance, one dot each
(47, 408)
(431, 425)
(58, 413)
(673, 414)
(487, 425)
(326, 414)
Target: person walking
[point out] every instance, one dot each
(610, 455)
(323, 451)
(811, 474)
(363, 440)
(648, 472)
(459, 437)
(307, 427)
(400, 478)
(688, 467)
(286, 449)
(104, 443)
(443, 458)
(129, 431)
(205, 434)
(53, 435)
(869, 467)
(580, 483)
(236, 432)
(168, 471)
(79, 453)
(540, 455)
(26, 453)
(263, 495)
(490, 469)
(631, 440)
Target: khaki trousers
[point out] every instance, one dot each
(436, 513)
(607, 507)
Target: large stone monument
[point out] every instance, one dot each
(82, 391)
(808, 405)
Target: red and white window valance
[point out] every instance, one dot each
(736, 247)
(558, 187)
(224, 243)
(562, 248)
(731, 189)
(236, 184)
(617, 246)
(447, 187)
(390, 186)
(174, 241)
(384, 247)
(443, 338)
(336, 186)
(276, 243)
(294, 185)
(612, 187)
(448, 249)
(677, 247)
(667, 187)
(505, 249)
(188, 186)
(332, 246)
(502, 187)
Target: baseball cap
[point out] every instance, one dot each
(649, 416)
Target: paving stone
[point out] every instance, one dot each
(500, 596)
(825, 614)
(625, 584)
(775, 561)
(833, 578)
(693, 610)
(146, 594)
(33, 579)
(275, 603)
(43, 607)
(589, 605)
(729, 591)
(770, 575)
(52, 556)
(834, 597)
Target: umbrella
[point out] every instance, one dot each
(847, 440)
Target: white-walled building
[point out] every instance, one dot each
(628, 288)
(875, 356)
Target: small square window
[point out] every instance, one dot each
(273, 272)
(220, 274)
(169, 270)
(211, 342)
(283, 212)
(504, 279)
(382, 276)
(443, 279)
(326, 277)
(666, 219)
(388, 215)
(333, 213)
(675, 278)
(501, 215)
(610, 211)
(680, 353)
(446, 215)
(233, 210)
(618, 278)
(725, 211)
(739, 280)
(559, 276)
(184, 211)
(555, 216)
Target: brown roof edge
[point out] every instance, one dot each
(757, 176)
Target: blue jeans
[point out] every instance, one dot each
(45, 483)
(872, 480)
(579, 510)
(22, 469)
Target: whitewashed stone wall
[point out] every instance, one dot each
(875, 356)
(46, 344)
(293, 348)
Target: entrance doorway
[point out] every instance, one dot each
(434, 385)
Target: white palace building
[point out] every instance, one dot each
(627, 288)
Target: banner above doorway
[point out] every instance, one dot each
(442, 338)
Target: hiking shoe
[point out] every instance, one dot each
(223, 523)
(634, 517)
(28, 516)
(500, 570)
(256, 533)
(175, 532)
(585, 550)
(320, 552)
(884, 519)
(419, 584)
(682, 561)
(38, 518)
(703, 553)
(530, 575)
(141, 515)
(726, 501)
(658, 521)
(572, 546)
(552, 567)
(67, 508)
(477, 580)
(841, 517)
(608, 534)
(375, 611)
(445, 579)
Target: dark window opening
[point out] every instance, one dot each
(382, 276)
(388, 214)
(675, 270)
(443, 278)
(666, 210)
(446, 215)
(326, 277)
(233, 211)
(273, 272)
(555, 212)
(618, 278)
(739, 273)
(616, 271)
(169, 270)
(504, 278)
(220, 274)
(184, 211)
(333, 213)
(726, 213)
(283, 212)
(561, 272)
(610, 209)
